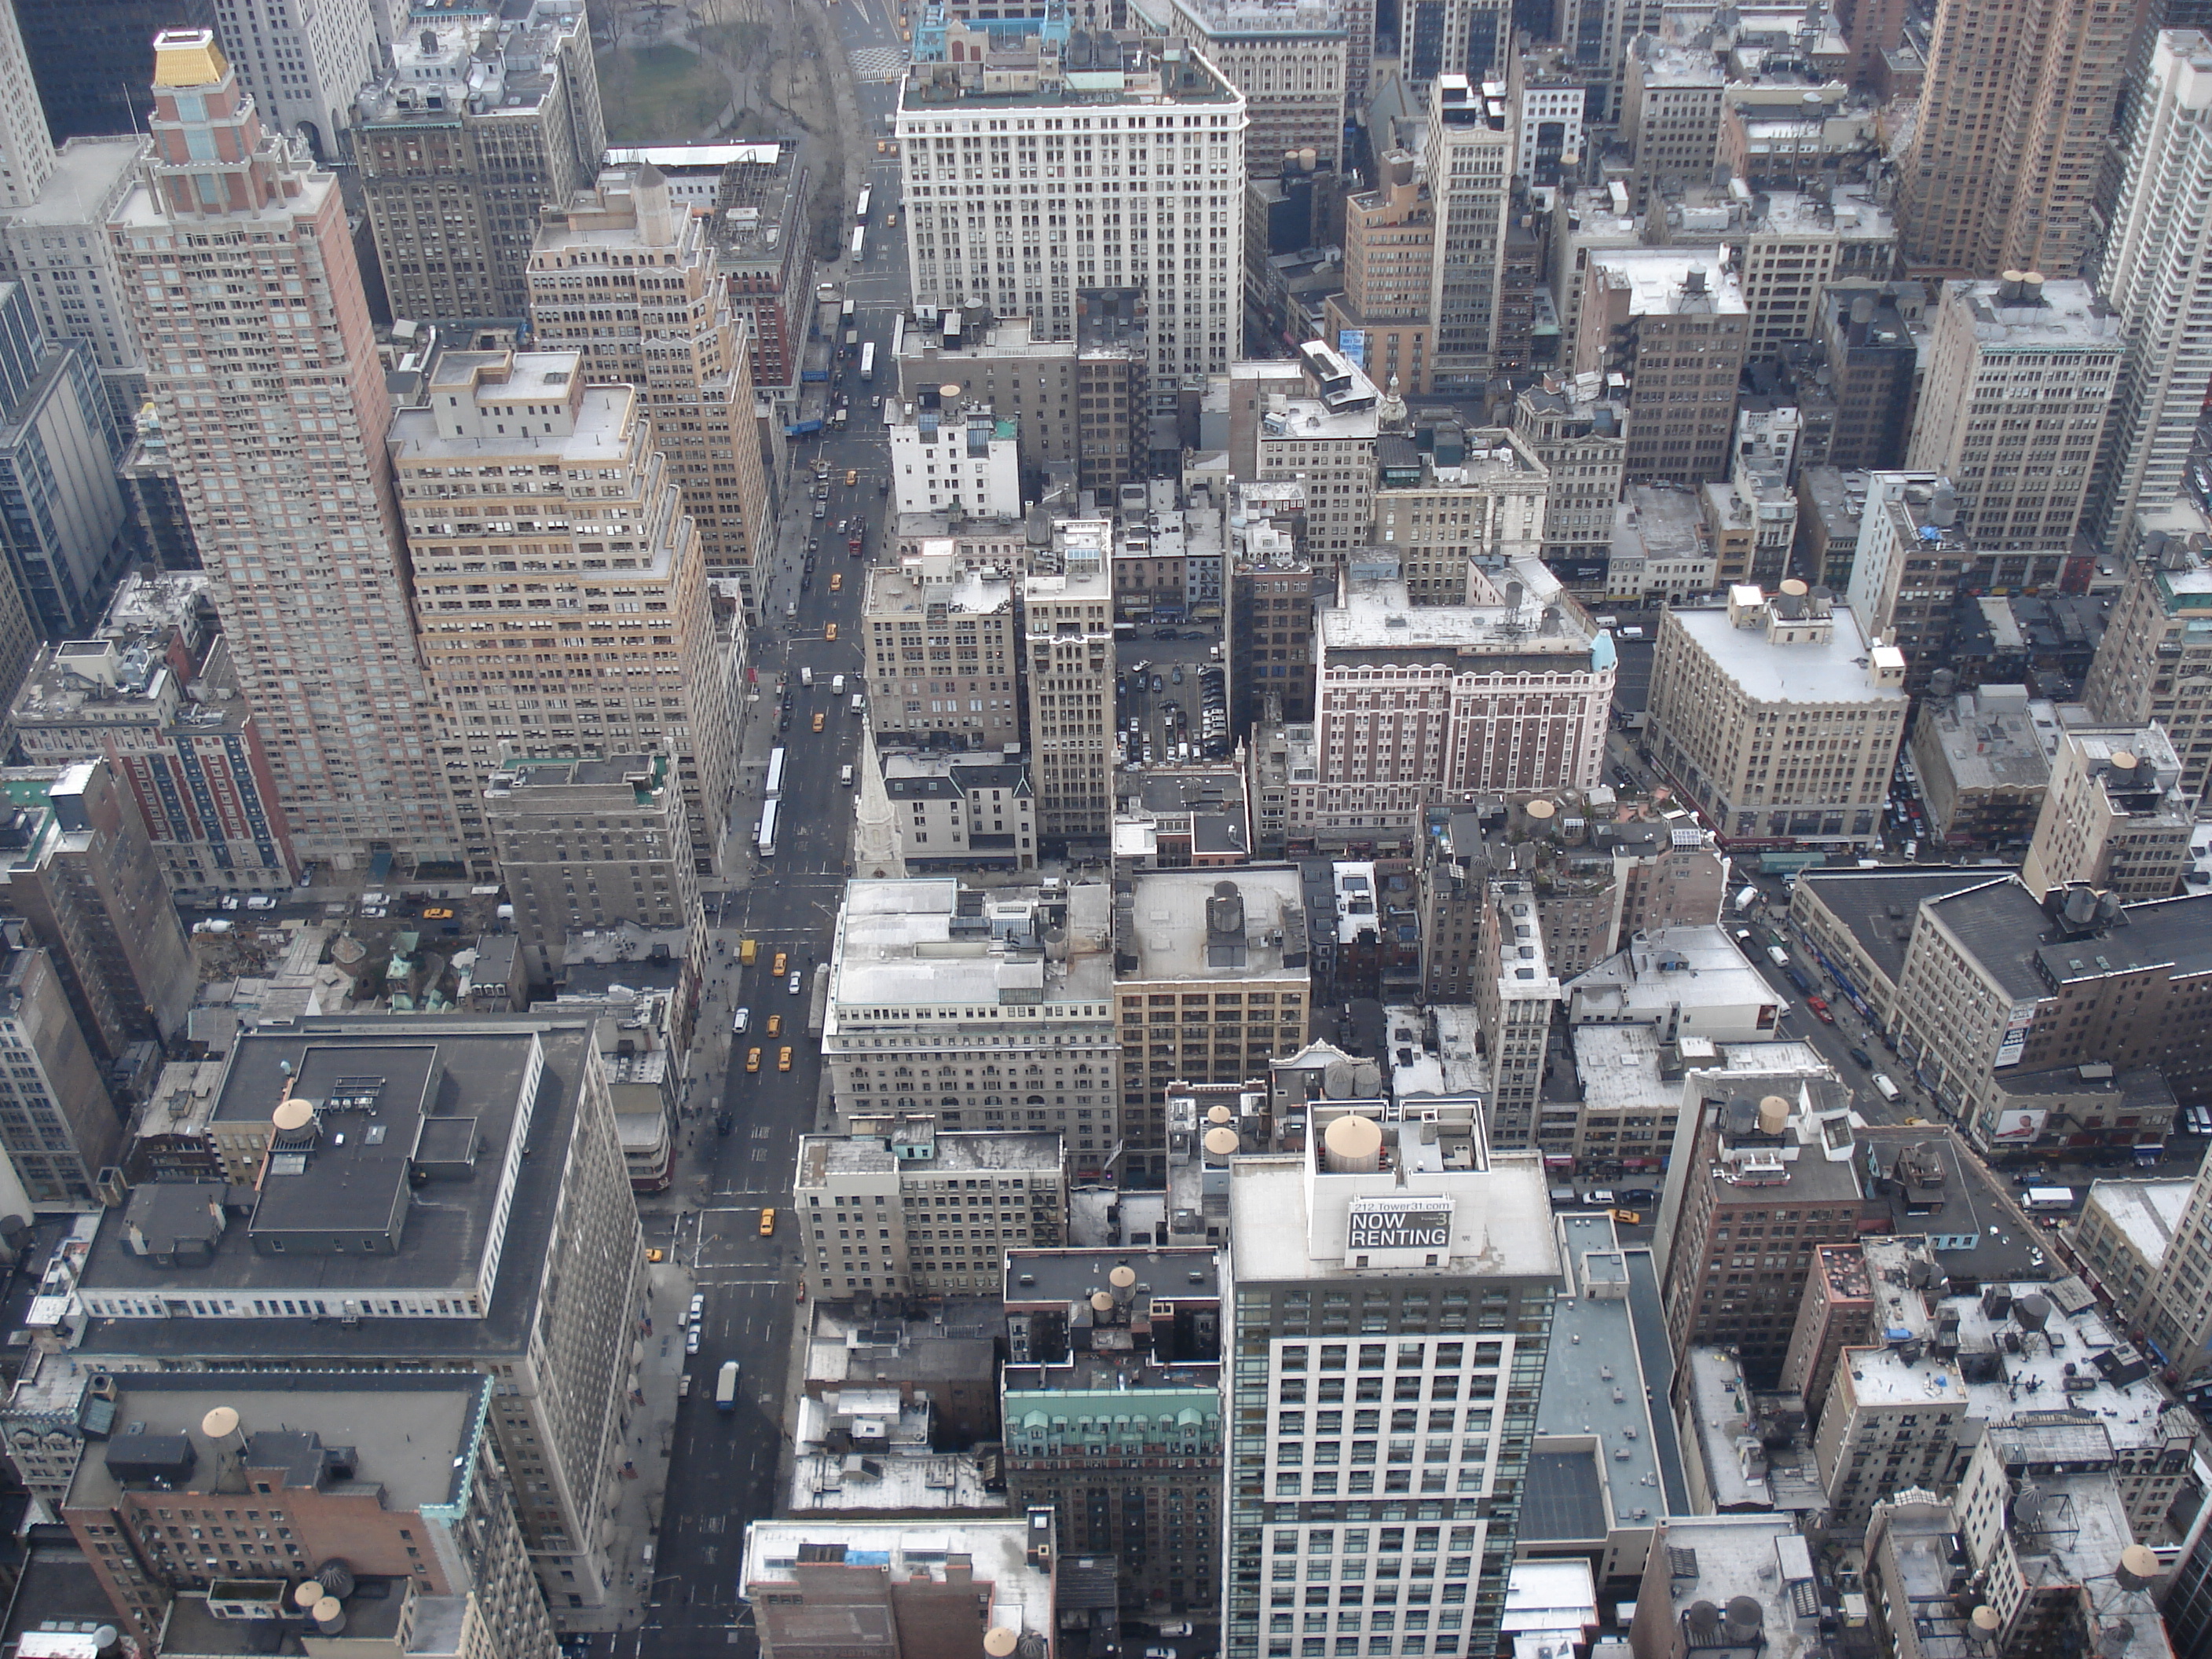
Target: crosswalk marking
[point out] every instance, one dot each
(877, 62)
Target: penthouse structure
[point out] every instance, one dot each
(398, 1222)
(1385, 1292)
(626, 246)
(481, 121)
(891, 1206)
(933, 1586)
(1422, 706)
(386, 1489)
(1167, 186)
(618, 581)
(960, 1002)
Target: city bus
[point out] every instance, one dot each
(774, 790)
(859, 243)
(868, 361)
(768, 829)
(726, 1386)
(860, 207)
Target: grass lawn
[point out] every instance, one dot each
(658, 94)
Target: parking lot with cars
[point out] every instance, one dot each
(1172, 699)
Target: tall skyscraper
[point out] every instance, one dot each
(2156, 659)
(2156, 271)
(625, 246)
(61, 507)
(1129, 163)
(262, 367)
(1393, 1300)
(27, 152)
(2013, 404)
(1470, 166)
(643, 670)
(301, 63)
(1068, 644)
(481, 121)
(2015, 119)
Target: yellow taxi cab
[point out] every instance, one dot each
(768, 1223)
(830, 632)
(783, 1058)
(752, 1060)
(836, 581)
(656, 1255)
(817, 722)
(775, 1025)
(851, 477)
(890, 221)
(776, 967)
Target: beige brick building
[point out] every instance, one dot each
(1775, 717)
(1437, 518)
(2114, 815)
(616, 596)
(623, 254)
(1212, 983)
(900, 1207)
(940, 649)
(1068, 640)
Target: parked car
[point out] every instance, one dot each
(691, 1340)
(1861, 1057)
(698, 1308)
(794, 988)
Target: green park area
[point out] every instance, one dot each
(660, 94)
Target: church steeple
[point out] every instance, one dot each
(875, 851)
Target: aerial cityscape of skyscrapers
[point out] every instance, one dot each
(1210, 830)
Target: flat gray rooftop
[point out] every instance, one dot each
(411, 1433)
(1071, 1275)
(435, 1241)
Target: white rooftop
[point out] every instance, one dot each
(1832, 670)
(1288, 1221)
(1021, 1596)
(1171, 927)
(2146, 1213)
(1379, 615)
(1658, 278)
(896, 950)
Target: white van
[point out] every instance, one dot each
(791, 610)
(836, 685)
(856, 702)
(1884, 1087)
(806, 676)
(844, 776)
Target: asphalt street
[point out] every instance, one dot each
(723, 1469)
